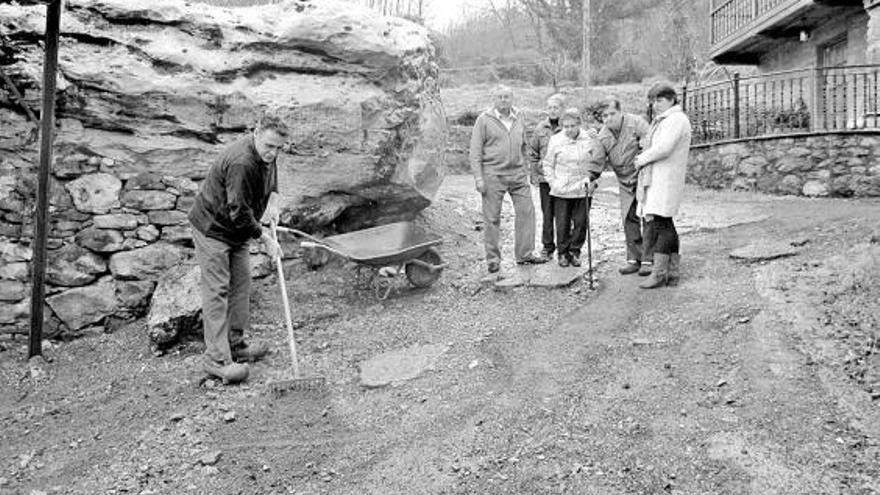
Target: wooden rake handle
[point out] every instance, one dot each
(287, 318)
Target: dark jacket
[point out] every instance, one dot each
(623, 147)
(234, 195)
(538, 148)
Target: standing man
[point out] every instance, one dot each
(620, 136)
(497, 157)
(225, 218)
(537, 151)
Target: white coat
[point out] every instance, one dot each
(569, 163)
(661, 181)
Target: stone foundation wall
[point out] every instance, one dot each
(835, 164)
(111, 236)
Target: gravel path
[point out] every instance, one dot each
(749, 378)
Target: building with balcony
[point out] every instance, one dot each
(806, 120)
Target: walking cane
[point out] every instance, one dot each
(589, 235)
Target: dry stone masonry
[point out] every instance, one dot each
(838, 164)
(150, 92)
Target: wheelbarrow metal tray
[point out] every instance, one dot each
(389, 244)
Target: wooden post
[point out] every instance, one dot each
(736, 129)
(585, 54)
(47, 124)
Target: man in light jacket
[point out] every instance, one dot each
(620, 136)
(662, 169)
(545, 129)
(497, 159)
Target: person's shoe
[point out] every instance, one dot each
(645, 269)
(659, 273)
(563, 261)
(531, 259)
(548, 253)
(249, 352)
(575, 261)
(674, 263)
(493, 267)
(629, 268)
(227, 372)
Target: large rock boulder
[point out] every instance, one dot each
(176, 308)
(358, 90)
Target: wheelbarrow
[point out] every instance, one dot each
(401, 246)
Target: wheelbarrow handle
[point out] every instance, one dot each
(321, 245)
(298, 233)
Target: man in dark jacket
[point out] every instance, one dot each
(537, 150)
(225, 217)
(497, 159)
(620, 135)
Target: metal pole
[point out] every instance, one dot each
(589, 238)
(736, 128)
(585, 53)
(47, 124)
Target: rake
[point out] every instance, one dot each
(298, 382)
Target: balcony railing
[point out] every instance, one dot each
(732, 16)
(789, 102)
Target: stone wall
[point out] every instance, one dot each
(111, 237)
(834, 164)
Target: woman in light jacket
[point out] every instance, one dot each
(662, 167)
(571, 155)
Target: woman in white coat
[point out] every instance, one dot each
(662, 167)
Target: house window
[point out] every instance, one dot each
(833, 53)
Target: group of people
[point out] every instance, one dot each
(564, 160)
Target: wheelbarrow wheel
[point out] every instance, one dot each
(420, 275)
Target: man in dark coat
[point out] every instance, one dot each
(537, 150)
(225, 218)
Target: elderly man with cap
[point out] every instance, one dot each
(497, 159)
(620, 136)
(537, 151)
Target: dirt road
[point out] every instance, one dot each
(747, 379)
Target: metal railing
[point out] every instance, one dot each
(732, 16)
(795, 101)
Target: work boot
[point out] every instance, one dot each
(563, 260)
(249, 352)
(227, 372)
(548, 253)
(493, 267)
(574, 260)
(645, 268)
(659, 273)
(630, 267)
(674, 262)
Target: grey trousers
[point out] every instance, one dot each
(225, 292)
(524, 211)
